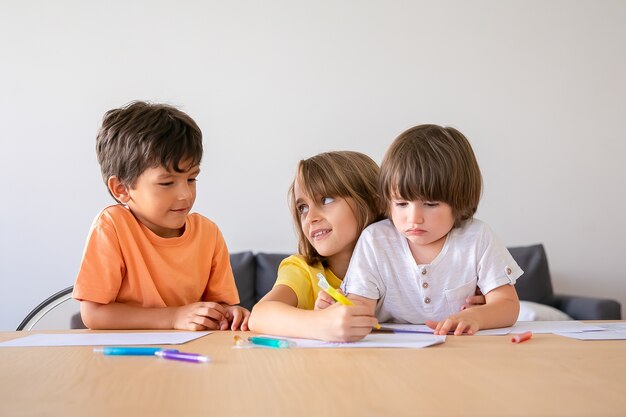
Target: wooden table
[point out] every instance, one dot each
(466, 376)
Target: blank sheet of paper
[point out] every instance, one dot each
(104, 339)
(373, 340)
(568, 326)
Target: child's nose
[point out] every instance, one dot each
(416, 215)
(312, 215)
(185, 191)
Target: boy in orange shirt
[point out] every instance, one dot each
(149, 263)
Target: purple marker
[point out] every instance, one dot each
(182, 356)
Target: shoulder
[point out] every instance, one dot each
(297, 265)
(202, 221)
(295, 261)
(472, 229)
(114, 216)
(115, 212)
(476, 234)
(294, 270)
(381, 228)
(204, 226)
(380, 234)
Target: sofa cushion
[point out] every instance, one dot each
(244, 270)
(529, 311)
(535, 284)
(266, 272)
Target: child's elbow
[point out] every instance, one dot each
(253, 321)
(513, 311)
(259, 317)
(89, 315)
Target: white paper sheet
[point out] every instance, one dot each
(104, 339)
(567, 326)
(599, 335)
(422, 328)
(373, 340)
(618, 327)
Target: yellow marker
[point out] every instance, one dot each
(337, 296)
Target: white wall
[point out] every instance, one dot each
(537, 86)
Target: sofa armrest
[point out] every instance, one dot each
(588, 308)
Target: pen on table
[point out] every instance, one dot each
(391, 330)
(177, 355)
(270, 342)
(519, 338)
(128, 350)
(337, 296)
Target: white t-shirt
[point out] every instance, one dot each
(382, 268)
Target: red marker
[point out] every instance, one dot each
(519, 338)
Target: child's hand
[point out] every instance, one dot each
(201, 316)
(324, 300)
(459, 323)
(239, 316)
(347, 323)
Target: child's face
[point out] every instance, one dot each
(329, 223)
(161, 199)
(423, 223)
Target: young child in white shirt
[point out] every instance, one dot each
(421, 264)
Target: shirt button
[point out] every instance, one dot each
(425, 285)
(508, 270)
(423, 271)
(427, 300)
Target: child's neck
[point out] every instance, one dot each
(338, 265)
(425, 254)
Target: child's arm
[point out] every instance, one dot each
(196, 316)
(501, 310)
(473, 301)
(277, 313)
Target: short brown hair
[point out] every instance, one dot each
(433, 163)
(344, 174)
(144, 135)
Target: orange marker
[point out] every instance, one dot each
(519, 338)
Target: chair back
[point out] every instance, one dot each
(58, 312)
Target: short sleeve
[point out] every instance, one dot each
(221, 287)
(496, 266)
(102, 268)
(296, 274)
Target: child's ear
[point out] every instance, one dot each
(118, 189)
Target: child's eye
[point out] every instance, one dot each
(431, 203)
(400, 203)
(166, 184)
(327, 200)
(192, 180)
(302, 209)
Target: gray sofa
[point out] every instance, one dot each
(255, 275)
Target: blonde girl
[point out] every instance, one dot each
(333, 197)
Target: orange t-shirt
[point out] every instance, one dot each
(126, 262)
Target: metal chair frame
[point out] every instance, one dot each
(45, 307)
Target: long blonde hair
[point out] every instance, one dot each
(337, 174)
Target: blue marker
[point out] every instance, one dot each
(270, 342)
(128, 350)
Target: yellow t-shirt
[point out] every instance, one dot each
(126, 262)
(301, 277)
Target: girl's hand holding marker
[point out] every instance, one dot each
(335, 294)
